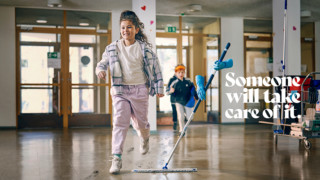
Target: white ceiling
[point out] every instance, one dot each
(249, 9)
(216, 8)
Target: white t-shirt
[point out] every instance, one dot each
(131, 61)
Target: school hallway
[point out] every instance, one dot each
(217, 151)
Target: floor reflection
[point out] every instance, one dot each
(217, 151)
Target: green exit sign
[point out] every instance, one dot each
(53, 55)
(171, 29)
(54, 60)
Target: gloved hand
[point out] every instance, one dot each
(222, 65)
(200, 87)
(191, 101)
(294, 94)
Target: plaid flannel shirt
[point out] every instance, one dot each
(151, 68)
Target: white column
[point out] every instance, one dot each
(293, 64)
(232, 31)
(293, 45)
(8, 67)
(146, 11)
(115, 24)
(317, 47)
(277, 24)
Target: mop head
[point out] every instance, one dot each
(164, 170)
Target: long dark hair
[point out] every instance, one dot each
(131, 16)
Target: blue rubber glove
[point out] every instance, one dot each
(222, 65)
(191, 101)
(200, 87)
(293, 93)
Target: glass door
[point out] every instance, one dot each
(167, 54)
(56, 84)
(258, 63)
(88, 99)
(44, 93)
(212, 99)
(39, 86)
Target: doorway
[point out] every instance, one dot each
(258, 63)
(56, 82)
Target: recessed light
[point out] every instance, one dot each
(195, 8)
(41, 21)
(84, 22)
(54, 3)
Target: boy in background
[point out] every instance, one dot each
(180, 89)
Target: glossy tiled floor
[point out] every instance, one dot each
(218, 151)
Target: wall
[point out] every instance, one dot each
(7, 68)
(277, 24)
(232, 31)
(213, 28)
(293, 64)
(115, 24)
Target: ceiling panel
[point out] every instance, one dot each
(55, 17)
(166, 9)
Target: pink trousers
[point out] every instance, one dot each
(133, 103)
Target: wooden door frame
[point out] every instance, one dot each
(261, 38)
(179, 37)
(64, 50)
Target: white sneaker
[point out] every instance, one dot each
(144, 146)
(116, 165)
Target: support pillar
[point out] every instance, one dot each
(232, 31)
(146, 11)
(293, 40)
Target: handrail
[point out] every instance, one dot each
(57, 84)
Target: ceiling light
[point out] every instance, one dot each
(195, 8)
(54, 3)
(41, 21)
(84, 22)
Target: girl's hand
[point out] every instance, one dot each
(102, 75)
(160, 95)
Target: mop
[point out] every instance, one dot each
(282, 120)
(165, 168)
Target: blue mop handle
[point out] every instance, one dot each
(196, 107)
(285, 4)
(212, 75)
(224, 52)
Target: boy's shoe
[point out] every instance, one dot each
(174, 126)
(116, 165)
(144, 146)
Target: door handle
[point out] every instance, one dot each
(70, 94)
(59, 94)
